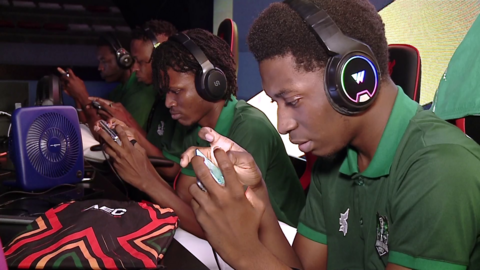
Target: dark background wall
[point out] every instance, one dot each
(36, 36)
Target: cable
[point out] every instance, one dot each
(115, 171)
(24, 198)
(216, 259)
(38, 193)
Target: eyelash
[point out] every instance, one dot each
(293, 103)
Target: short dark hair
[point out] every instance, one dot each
(174, 55)
(279, 31)
(103, 42)
(158, 27)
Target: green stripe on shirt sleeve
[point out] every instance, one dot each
(312, 234)
(186, 171)
(189, 172)
(171, 157)
(421, 263)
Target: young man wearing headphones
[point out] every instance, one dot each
(196, 71)
(144, 40)
(395, 187)
(130, 101)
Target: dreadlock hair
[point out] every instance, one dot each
(174, 55)
(279, 31)
(158, 27)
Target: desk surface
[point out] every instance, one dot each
(177, 256)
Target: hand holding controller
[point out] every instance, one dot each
(214, 171)
(113, 134)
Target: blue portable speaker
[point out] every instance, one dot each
(46, 147)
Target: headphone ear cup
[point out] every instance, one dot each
(212, 85)
(125, 60)
(351, 82)
(331, 85)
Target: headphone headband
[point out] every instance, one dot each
(327, 32)
(194, 50)
(149, 33)
(114, 43)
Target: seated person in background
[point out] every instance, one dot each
(144, 40)
(395, 186)
(129, 96)
(174, 69)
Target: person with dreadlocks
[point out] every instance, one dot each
(174, 71)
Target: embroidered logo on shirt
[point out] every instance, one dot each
(343, 222)
(382, 235)
(160, 128)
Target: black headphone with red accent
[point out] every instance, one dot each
(352, 76)
(124, 59)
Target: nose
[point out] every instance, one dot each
(285, 123)
(100, 67)
(135, 67)
(170, 101)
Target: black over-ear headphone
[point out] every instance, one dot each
(151, 35)
(210, 81)
(351, 76)
(124, 59)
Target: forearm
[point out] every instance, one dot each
(168, 173)
(81, 115)
(162, 194)
(271, 235)
(133, 124)
(261, 258)
(152, 150)
(89, 113)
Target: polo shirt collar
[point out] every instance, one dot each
(131, 80)
(404, 109)
(225, 119)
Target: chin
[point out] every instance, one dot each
(184, 122)
(327, 154)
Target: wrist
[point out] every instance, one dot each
(83, 100)
(256, 252)
(150, 182)
(259, 189)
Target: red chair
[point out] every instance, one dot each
(227, 30)
(470, 125)
(307, 175)
(3, 261)
(405, 68)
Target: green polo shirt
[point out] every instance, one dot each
(136, 97)
(163, 128)
(251, 129)
(416, 205)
